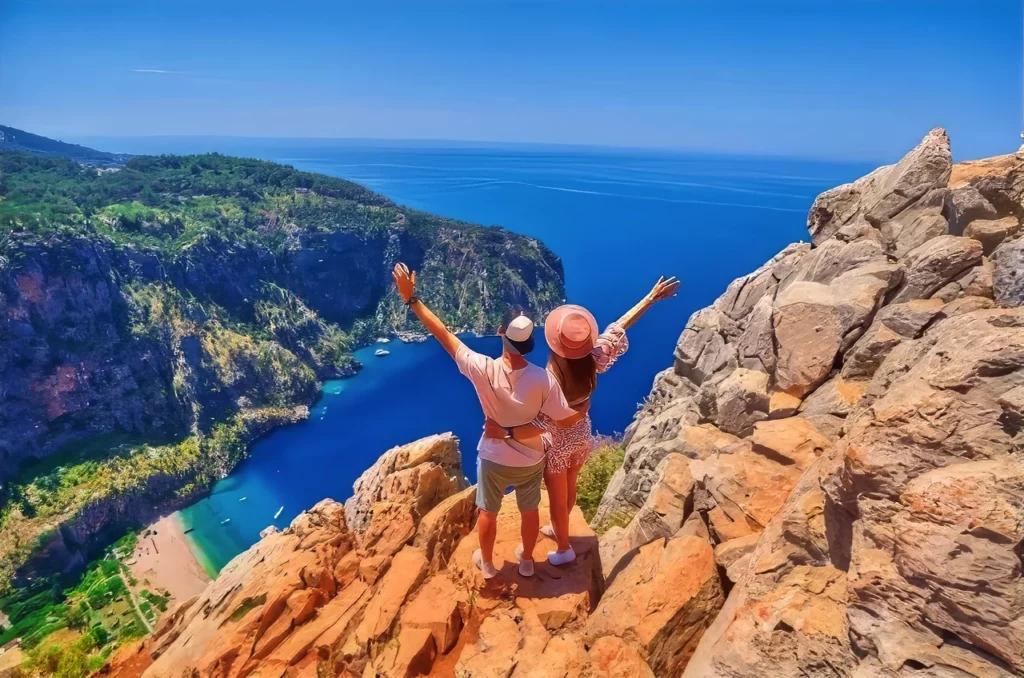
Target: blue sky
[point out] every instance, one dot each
(819, 78)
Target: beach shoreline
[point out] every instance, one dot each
(163, 560)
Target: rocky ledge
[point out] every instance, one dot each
(384, 585)
(844, 426)
(827, 482)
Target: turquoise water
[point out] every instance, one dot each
(394, 400)
(617, 218)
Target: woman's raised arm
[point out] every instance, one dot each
(663, 289)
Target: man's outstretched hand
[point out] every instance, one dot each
(405, 280)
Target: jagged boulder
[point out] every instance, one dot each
(320, 592)
(711, 347)
(999, 180)
(851, 518)
(964, 205)
(741, 400)
(882, 195)
(814, 322)
(421, 474)
(897, 550)
(661, 516)
(936, 263)
(663, 599)
(741, 491)
(991, 232)
(1008, 274)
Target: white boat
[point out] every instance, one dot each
(380, 353)
(225, 521)
(278, 514)
(243, 498)
(385, 340)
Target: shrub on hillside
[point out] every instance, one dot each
(595, 476)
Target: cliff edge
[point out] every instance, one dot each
(827, 482)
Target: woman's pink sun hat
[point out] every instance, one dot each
(571, 331)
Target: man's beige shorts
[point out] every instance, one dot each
(493, 479)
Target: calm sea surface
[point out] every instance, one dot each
(618, 219)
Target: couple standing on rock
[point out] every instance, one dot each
(538, 424)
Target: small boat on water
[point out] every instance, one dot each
(383, 340)
(278, 514)
(243, 498)
(380, 353)
(225, 521)
(188, 530)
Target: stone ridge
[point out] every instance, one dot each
(827, 482)
(846, 423)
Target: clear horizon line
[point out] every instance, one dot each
(487, 142)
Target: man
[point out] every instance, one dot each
(512, 392)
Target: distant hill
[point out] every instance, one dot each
(12, 139)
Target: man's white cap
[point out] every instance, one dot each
(520, 329)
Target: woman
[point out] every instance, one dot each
(578, 354)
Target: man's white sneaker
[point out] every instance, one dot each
(561, 557)
(548, 531)
(525, 566)
(487, 569)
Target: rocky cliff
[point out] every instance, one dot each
(157, 317)
(827, 482)
(844, 424)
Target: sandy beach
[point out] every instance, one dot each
(164, 560)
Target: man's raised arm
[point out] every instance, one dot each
(405, 280)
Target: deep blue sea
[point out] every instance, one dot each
(617, 218)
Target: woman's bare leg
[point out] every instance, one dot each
(557, 488)
(571, 478)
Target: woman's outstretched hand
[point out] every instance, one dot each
(405, 280)
(664, 289)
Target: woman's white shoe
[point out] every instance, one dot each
(548, 531)
(561, 557)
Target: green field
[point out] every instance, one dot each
(100, 607)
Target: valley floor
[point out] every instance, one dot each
(162, 558)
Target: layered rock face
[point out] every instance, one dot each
(829, 481)
(842, 426)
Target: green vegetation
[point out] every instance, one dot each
(19, 140)
(168, 203)
(176, 206)
(283, 317)
(74, 479)
(157, 601)
(69, 627)
(595, 476)
(75, 659)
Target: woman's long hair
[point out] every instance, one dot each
(576, 376)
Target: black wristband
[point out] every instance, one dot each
(412, 300)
